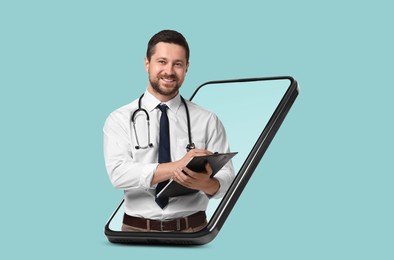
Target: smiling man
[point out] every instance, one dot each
(148, 142)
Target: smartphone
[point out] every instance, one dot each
(251, 110)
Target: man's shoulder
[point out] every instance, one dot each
(196, 108)
(127, 108)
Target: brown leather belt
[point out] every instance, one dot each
(195, 220)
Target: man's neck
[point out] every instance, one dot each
(160, 97)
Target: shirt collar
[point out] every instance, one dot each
(151, 102)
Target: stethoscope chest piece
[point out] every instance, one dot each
(190, 146)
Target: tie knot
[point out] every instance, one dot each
(162, 107)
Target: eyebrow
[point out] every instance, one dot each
(163, 58)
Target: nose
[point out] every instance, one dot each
(169, 69)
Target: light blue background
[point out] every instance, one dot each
(324, 189)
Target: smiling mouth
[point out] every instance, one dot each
(168, 79)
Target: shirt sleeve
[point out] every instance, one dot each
(217, 142)
(124, 173)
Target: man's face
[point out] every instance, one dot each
(167, 70)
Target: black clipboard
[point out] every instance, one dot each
(197, 164)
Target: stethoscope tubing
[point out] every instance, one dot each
(189, 147)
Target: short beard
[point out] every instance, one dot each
(156, 86)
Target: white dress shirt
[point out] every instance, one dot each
(132, 169)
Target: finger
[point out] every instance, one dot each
(180, 175)
(196, 177)
(182, 179)
(187, 176)
(191, 174)
(177, 178)
(200, 152)
(208, 168)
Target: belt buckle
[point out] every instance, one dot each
(178, 225)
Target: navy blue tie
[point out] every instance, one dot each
(164, 151)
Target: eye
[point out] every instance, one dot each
(179, 64)
(162, 62)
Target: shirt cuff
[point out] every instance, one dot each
(221, 191)
(147, 174)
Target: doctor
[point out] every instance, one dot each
(141, 158)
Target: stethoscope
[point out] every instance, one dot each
(189, 147)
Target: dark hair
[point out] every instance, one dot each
(168, 36)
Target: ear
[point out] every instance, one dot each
(187, 67)
(146, 64)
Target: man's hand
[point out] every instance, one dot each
(197, 180)
(189, 155)
(166, 171)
